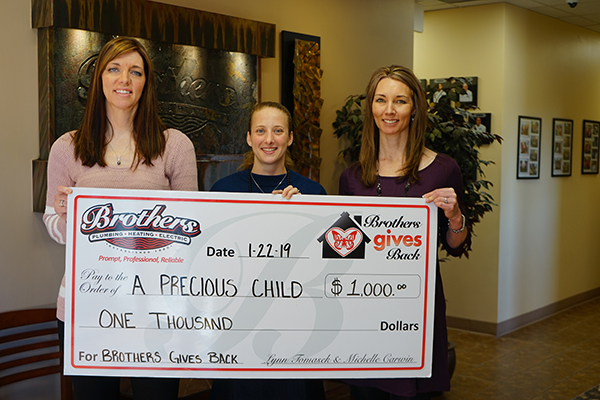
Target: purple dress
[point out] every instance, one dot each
(442, 172)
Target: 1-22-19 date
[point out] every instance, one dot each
(269, 250)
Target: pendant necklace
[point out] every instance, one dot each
(406, 187)
(251, 177)
(119, 155)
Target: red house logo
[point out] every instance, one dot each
(344, 239)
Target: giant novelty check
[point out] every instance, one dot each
(215, 285)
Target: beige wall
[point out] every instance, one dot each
(30, 262)
(357, 36)
(557, 256)
(540, 246)
(471, 285)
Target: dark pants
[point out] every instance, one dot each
(368, 393)
(267, 389)
(108, 388)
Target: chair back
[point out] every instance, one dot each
(29, 347)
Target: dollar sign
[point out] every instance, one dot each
(337, 287)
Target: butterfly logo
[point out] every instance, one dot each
(343, 242)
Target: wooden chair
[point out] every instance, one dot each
(29, 347)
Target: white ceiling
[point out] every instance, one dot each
(585, 14)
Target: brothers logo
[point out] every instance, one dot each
(344, 239)
(147, 230)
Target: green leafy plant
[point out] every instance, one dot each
(348, 124)
(449, 132)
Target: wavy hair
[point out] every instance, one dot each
(90, 139)
(369, 151)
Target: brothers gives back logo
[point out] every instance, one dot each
(344, 239)
(146, 230)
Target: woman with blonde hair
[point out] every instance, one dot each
(267, 169)
(267, 166)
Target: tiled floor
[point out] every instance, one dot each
(557, 358)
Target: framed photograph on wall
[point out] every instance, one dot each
(467, 92)
(481, 123)
(456, 92)
(437, 91)
(562, 146)
(591, 135)
(530, 134)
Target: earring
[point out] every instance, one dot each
(412, 118)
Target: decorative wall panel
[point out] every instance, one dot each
(307, 108)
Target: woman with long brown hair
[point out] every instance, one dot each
(395, 162)
(121, 144)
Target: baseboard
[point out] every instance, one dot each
(471, 325)
(504, 327)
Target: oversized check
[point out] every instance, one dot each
(214, 285)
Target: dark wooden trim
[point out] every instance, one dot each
(158, 22)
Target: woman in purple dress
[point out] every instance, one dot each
(395, 162)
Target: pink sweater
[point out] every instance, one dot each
(175, 170)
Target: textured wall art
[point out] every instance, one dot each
(307, 108)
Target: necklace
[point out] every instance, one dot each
(406, 187)
(119, 155)
(251, 177)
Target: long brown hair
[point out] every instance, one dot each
(369, 151)
(90, 139)
(248, 162)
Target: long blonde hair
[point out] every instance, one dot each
(369, 151)
(248, 162)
